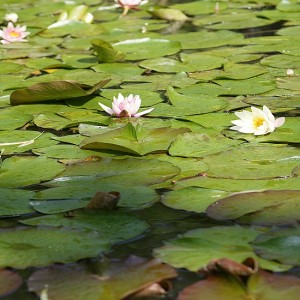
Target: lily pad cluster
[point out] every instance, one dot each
(82, 190)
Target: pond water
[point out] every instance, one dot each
(95, 206)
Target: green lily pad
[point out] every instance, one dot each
(216, 120)
(146, 48)
(237, 20)
(113, 226)
(281, 245)
(203, 39)
(189, 63)
(192, 198)
(274, 102)
(56, 90)
(262, 285)
(80, 61)
(135, 197)
(201, 104)
(15, 141)
(281, 61)
(239, 185)
(259, 208)
(196, 248)
(253, 162)
(200, 144)
(117, 282)
(57, 206)
(200, 7)
(11, 121)
(65, 152)
(128, 171)
(106, 52)
(134, 140)
(15, 202)
(26, 247)
(20, 171)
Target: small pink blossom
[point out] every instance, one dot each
(11, 34)
(125, 106)
(128, 4)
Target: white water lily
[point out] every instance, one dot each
(126, 106)
(11, 17)
(258, 122)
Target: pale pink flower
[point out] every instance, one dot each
(127, 4)
(125, 106)
(11, 17)
(258, 122)
(11, 34)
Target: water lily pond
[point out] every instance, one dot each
(149, 150)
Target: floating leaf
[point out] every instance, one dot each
(281, 245)
(15, 202)
(238, 185)
(134, 140)
(55, 90)
(199, 144)
(196, 248)
(116, 282)
(189, 63)
(200, 104)
(258, 208)
(192, 198)
(106, 52)
(253, 162)
(113, 226)
(147, 48)
(131, 196)
(262, 285)
(26, 247)
(22, 171)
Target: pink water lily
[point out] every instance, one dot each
(11, 33)
(258, 122)
(127, 4)
(125, 106)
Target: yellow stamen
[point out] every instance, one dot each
(258, 121)
(14, 34)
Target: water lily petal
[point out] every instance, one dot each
(143, 112)
(279, 122)
(107, 109)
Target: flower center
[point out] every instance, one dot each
(14, 34)
(258, 122)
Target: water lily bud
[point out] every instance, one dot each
(88, 18)
(11, 17)
(290, 72)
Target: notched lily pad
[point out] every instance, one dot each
(134, 140)
(258, 208)
(117, 280)
(262, 285)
